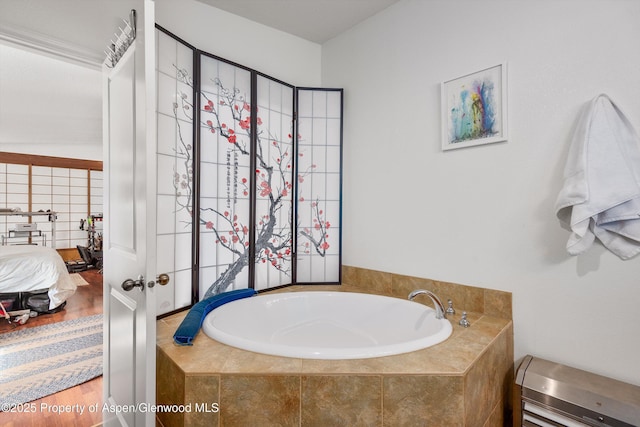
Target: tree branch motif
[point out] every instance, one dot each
(273, 244)
(321, 228)
(183, 181)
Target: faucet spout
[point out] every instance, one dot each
(440, 311)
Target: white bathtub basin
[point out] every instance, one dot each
(326, 325)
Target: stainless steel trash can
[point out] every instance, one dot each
(549, 394)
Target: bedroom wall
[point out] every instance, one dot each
(54, 108)
(484, 216)
(48, 106)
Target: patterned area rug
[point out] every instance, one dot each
(43, 360)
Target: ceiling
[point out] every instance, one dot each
(83, 28)
(314, 20)
(78, 31)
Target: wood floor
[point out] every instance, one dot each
(85, 302)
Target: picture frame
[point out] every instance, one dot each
(474, 108)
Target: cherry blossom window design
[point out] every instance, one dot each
(175, 171)
(226, 155)
(273, 240)
(319, 165)
(249, 177)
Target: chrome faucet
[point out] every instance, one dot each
(440, 311)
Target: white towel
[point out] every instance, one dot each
(600, 197)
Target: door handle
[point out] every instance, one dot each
(129, 284)
(161, 280)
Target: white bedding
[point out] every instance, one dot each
(30, 268)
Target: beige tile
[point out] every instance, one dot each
(371, 281)
(473, 299)
(509, 368)
(204, 356)
(165, 328)
(423, 400)
(202, 393)
(402, 286)
(450, 291)
(486, 384)
(459, 355)
(349, 275)
(354, 366)
(465, 380)
(247, 400)
(497, 417)
(487, 328)
(435, 360)
(247, 362)
(198, 357)
(498, 304)
(309, 288)
(341, 401)
(465, 298)
(170, 389)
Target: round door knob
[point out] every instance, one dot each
(129, 284)
(161, 280)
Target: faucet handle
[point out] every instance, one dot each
(450, 309)
(463, 321)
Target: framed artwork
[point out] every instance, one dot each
(474, 108)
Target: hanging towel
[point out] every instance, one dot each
(192, 322)
(600, 197)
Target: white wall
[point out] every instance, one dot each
(48, 106)
(484, 216)
(54, 108)
(277, 54)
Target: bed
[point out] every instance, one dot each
(28, 268)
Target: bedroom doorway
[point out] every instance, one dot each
(86, 301)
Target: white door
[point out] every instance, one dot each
(130, 229)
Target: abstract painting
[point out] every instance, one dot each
(474, 108)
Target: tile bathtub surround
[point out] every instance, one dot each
(468, 298)
(339, 400)
(464, 381)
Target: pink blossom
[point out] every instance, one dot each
(266, 190)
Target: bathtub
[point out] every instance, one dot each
(326, 325)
